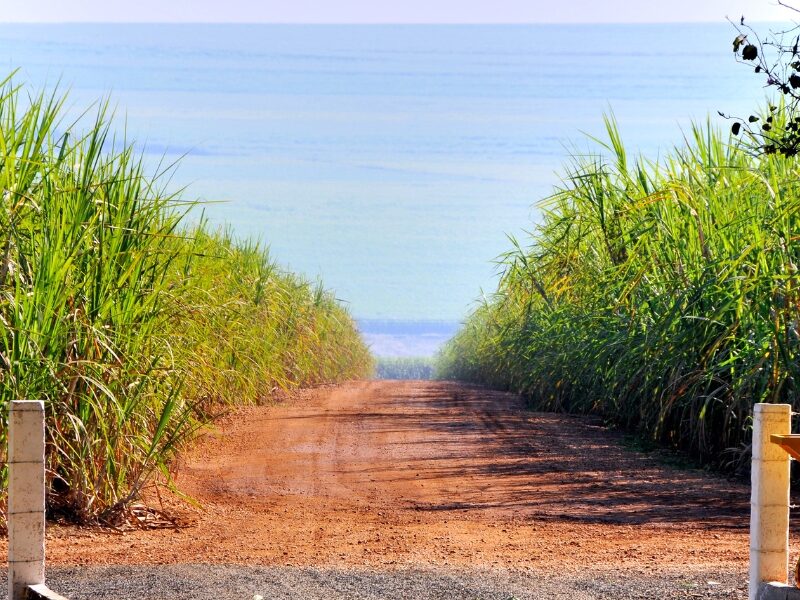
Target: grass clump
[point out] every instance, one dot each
(662, 295)
(128, 322)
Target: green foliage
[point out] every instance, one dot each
(126, 323)
(413, 367)
(661, 295)
(251, 329)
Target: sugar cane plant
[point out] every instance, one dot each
(126, 319)
(664, 295)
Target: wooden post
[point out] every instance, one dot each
(25, 497)
(769, 497)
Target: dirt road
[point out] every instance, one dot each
(428, 475)
(431, 473)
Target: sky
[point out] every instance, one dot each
(392, 11)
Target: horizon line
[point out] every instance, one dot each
(389, 23)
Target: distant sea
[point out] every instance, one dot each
(392, 161)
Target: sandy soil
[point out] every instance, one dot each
(428, 474)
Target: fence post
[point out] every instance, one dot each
(769, 497)
(25, 497)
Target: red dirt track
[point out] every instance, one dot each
(428, 473)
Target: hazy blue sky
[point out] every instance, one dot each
(391, 11)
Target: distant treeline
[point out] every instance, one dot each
(663, 294)
(405, 368)
(132, 325)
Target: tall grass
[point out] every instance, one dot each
(249, 329)
(128, 322)
(663, 295)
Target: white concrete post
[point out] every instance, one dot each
(25, 497)
(769, 497)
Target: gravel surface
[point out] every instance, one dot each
(219, 582)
